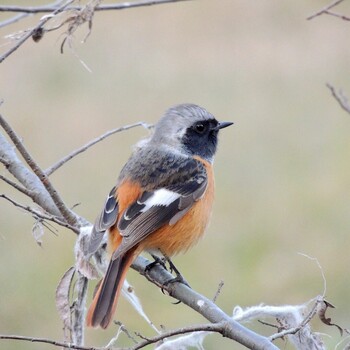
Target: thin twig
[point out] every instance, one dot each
(48, 341)
(39, 215)
(29, 33)
(338, 15)
(17, 187)
(68, 215)
(221, 284)
(341, 99)
(323, 10)
(54, 167)
(110, 7)
(13, 19)
(208, 327)
(125, 330)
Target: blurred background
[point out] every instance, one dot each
(282, 170)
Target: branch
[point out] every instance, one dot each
(79, 16)
(61, 162)
(121, 6)
(334, 14)
(17, 187)
(39, 215)
(32, 32)
(323, 10)
(67, 214)
(48, 341)
(29, 180)
(233, 330)
(341, 99)
(13, 19)
(211, 327)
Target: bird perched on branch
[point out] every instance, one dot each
(162, 200)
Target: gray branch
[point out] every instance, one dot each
(82, 149)
(64, 211)
(34, 30)
(233, 330)
(111, 7)
(29, 180)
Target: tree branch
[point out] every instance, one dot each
(341, 99)
(338, 15)
(48, 341)
(233, 330)
(108, 7)
(13, 19)
(208, 327)
(39, 215)
(65, 159)
(80, 15)
(323, 10)
(68, 215)
(29, 180)
(31, 32)
(17, 187)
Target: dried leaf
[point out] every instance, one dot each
(62, 299)
(323, 306)
(38, 232)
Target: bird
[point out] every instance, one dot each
(162, 200)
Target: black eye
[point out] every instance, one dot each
(200, 128)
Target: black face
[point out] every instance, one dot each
(201, 138)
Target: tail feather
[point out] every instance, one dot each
(105, 301)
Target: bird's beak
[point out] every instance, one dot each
(224, 125)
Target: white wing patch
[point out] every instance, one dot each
(161, 197)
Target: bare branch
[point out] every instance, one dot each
(111, 7)
(13, 19)
(34, 30)
(209, 327)
(38, 215)
(221, 284)
(17, 187)
(82, 149)
(323, 10)
(341, 99)
(29, 180)
(80, 15)
(233, 330)
(68, 215)
(48, 341)
(334, 14)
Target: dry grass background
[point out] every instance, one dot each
(282, 171)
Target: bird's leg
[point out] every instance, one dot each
(173, 268)
(157, 261)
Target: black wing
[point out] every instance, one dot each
(104, 221)
(164, 205)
